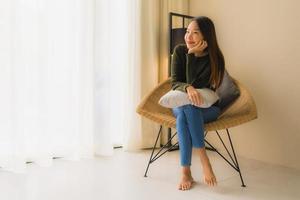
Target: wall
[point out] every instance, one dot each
(261, 44)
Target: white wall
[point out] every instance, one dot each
(261, 44)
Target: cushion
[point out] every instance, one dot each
(176, 98)
(227, 92)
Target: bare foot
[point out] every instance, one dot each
(186, 182)
(209, 176)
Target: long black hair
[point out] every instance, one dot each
(217, 62)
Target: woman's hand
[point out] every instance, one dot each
(199, 47)
(194, 96)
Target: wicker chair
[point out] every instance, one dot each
(242, 110)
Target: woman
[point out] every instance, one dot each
(197, 64)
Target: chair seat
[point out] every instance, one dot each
(242, 110)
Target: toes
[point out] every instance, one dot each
(210, 182)
(206, 181)
(185, 186)
(215, 181)
(180, 187)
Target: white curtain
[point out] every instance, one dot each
(46, 81)
(127, 61)
(72, 73)
(118, 75)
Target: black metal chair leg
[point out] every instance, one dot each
(235, 158)
(150, 160)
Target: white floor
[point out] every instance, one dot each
(121, 177)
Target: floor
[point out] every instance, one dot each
(121, 177)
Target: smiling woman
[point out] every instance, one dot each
(199, 63)
(194, 39)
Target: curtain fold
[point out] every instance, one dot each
(118, 75)
(127, 62)
(149, 62)
(46, 81)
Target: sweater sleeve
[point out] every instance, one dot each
(178, 70)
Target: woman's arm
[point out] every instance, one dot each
(178, 69)
(178, 74)
(194, 96)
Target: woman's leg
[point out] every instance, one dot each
(185, 144)
(184, 136)
(196, 117)
(209, 114)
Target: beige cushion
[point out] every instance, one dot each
(176, 98)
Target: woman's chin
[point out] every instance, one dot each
(189, 46)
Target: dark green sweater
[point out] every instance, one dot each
(187, 69)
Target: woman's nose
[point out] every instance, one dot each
(189, 36)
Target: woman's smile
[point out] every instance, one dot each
(190, 42)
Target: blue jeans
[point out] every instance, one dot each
(190, 128)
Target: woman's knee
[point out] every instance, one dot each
(192, 110)
(211, 114)
(192, 107)
(178, 111)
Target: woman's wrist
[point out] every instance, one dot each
(189, 87)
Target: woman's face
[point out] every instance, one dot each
(193, 35)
